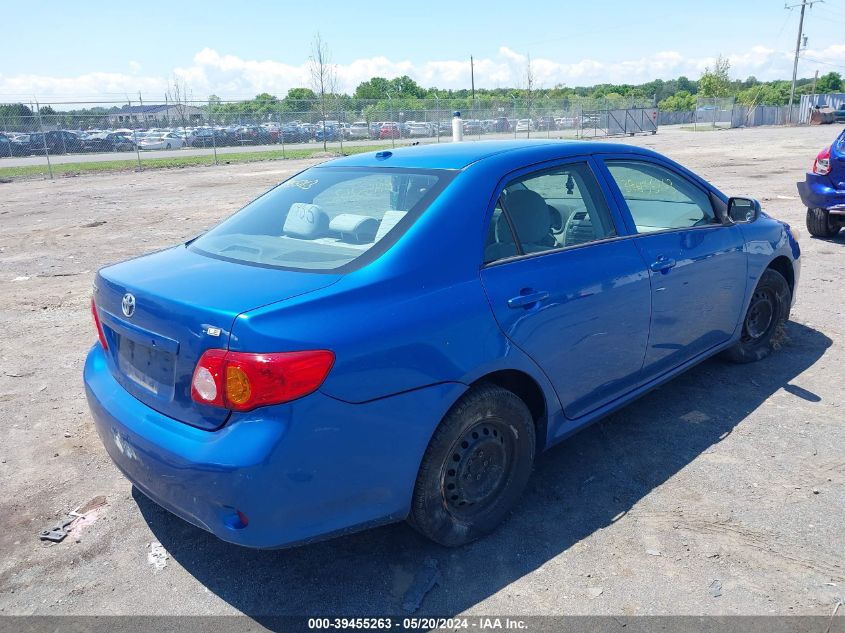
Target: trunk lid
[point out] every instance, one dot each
(184, 304)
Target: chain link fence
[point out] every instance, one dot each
(51, 139)
(45, 140)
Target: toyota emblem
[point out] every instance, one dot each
(128, 304)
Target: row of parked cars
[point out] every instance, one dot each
(126, 140)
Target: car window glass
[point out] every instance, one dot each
(659, 198)
(323, 218)
(551, 209)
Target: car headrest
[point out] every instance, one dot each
(306, 221)
(530, 215)
(354, 228)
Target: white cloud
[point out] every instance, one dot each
(230, 76)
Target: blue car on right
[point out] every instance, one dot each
(823, 191)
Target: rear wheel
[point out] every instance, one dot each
(475, 467)
(821, 224)
(764, 321)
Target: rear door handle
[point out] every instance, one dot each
(527, 298)
(663, 264)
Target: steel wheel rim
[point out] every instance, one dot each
(477, 468)
(761, 315)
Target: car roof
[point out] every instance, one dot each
(461, 155)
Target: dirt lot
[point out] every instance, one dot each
(730, 474)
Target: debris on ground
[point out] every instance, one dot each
(716, 588)
(157, 556)
(595, 592)
(75, 521)
(653, 552)
(423, 582)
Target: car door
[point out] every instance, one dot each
(697, 264)
(567, 290)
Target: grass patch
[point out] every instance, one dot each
(130, 164)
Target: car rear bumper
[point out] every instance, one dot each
(817, 192)
(310, 469)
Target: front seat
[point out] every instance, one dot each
(532, 221)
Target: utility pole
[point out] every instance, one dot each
(803, 5)
(472, 77)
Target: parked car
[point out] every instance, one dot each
(169, 140)
(418, 130)
(546, 123)
(329, 133)
(252, 380)
(823, 190)
(56, 142)
(294, 133)
(500, 125)
(12, 147)
(359, 130)
(473, 126)
(5, 145)
(524, 125)
(107, 142)
(390, 130)
(253, 135)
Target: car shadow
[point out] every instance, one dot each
(580, 486)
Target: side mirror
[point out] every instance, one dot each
(743, 210)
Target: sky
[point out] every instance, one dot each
(103, 51)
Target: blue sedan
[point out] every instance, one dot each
(823, 191)
(396, 335)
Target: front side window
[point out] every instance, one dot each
(548, 210)
(325, 218)
(659, 198)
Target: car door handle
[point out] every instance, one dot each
(527, 298)
(663, 264)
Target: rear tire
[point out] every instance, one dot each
(820, 224)
(764, 321)
(475, 468)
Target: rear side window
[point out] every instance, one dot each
(659, 198)
(548, 210)
(325, 218)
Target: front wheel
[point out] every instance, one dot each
(475, 467)
(820, 223)
(764, 321)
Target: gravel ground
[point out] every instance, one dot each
(727, 476)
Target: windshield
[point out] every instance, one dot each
(325, 218)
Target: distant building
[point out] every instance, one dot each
(168, 113)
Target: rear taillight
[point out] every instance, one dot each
(100, 334)
(821, 165)
(242, 381)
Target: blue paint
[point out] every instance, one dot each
(411, 331)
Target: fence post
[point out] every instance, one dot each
(282, 132)
(134, 135)
(437, 117)
(43, 139)
(214, 141)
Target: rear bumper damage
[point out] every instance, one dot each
(306, 470)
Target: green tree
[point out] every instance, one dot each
(375, 88)
(715, 81)
(681, 100)
(831, 82)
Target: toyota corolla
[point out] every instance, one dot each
(397, 335)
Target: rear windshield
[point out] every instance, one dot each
(325, 218)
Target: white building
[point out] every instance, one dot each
(168, 113)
